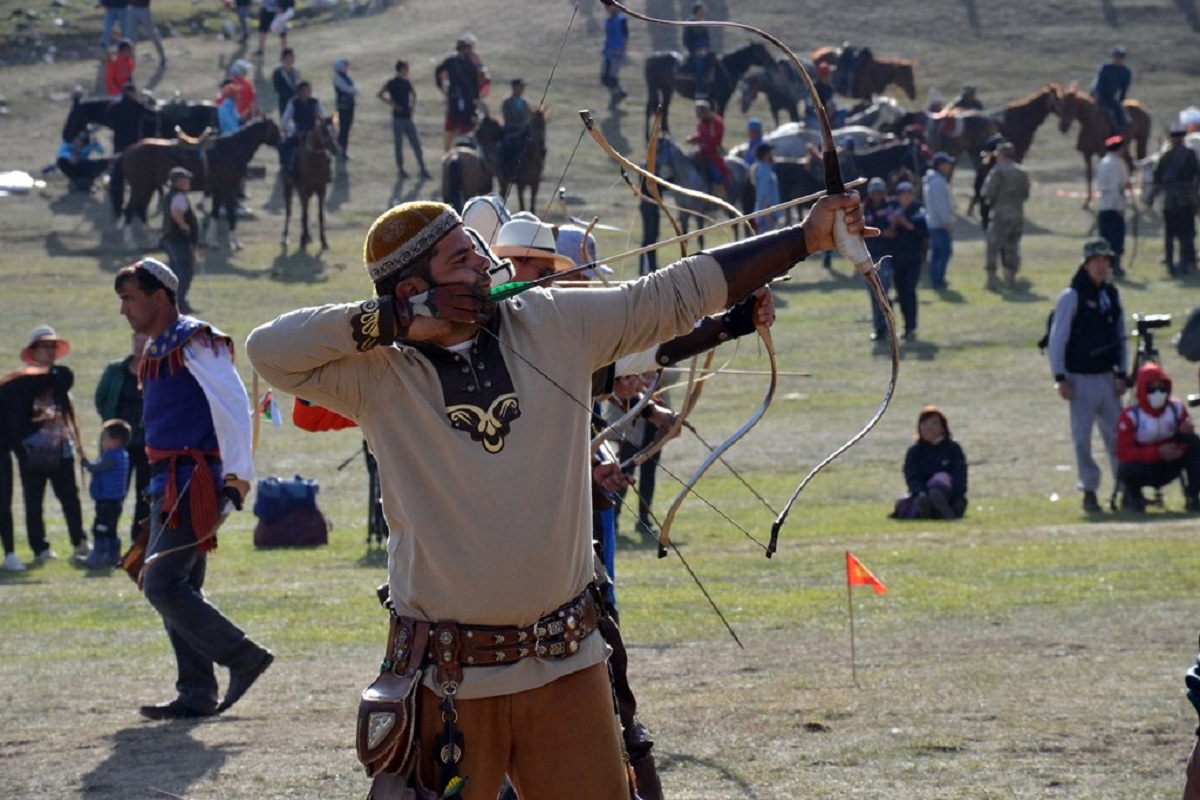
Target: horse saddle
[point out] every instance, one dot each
(206, 141)
(947, 123)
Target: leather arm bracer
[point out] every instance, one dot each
(754, 262)
(708, 333)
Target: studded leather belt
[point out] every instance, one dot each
(451, 646)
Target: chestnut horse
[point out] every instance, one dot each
(1020, 119)
(875, 75)
(312, 178)
(1094, 128)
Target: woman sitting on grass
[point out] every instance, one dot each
(935, 469)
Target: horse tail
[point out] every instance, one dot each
(116, 185)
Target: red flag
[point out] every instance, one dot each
(858, 575)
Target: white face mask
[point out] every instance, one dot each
(1157, 399)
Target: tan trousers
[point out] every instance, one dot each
(560, 740)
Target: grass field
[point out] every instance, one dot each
(1024, 652)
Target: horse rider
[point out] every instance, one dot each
(302, 115)
(825, 93)
(517, 115)
(127, 117)
(701, 57)
(464, 80)
(966, 100)
(119, 68)
(1110, 87)
(708, 139)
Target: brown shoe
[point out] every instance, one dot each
(992, 284)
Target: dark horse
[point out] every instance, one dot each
(524, 167)
(665, 76)
(780, 83)
(217, 171)
(312, 174)
(467, 170)
(1094, 129)
(875, 75)
(192, 119)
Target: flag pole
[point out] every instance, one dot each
(256, 420)
(850, 608)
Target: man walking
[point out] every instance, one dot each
(1006, 189)
(402, 97)
(197, 425)
(1177, 178)
(1089, 363)
(616, 35)
(141, 18)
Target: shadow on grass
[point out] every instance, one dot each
(299, 267)
(668, 762)
(1110, 13)
(1188, 7)
(138, 754)
(339, 192)
(374, 558)
(972, 9)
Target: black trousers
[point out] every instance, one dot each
(1136, 476)
(139, 469)
(1180, 223)
(33, 488)
(6, 498)
(345, 122)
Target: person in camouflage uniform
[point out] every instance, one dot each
(1006, 189)
(1177, 178)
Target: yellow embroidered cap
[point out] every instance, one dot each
(404, 233)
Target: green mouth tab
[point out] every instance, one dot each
(507, 290)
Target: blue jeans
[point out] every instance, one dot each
(941, 247)
(116, 16)
(200, 635)
(181, 258)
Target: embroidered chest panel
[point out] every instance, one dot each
(479, 394)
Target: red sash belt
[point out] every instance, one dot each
(204, 492)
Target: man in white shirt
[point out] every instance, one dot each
(1112, 178)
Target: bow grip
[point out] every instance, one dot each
(852, 248)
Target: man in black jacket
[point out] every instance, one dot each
(128, 118)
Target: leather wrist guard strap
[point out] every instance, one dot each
(708, 333)
(752, 263)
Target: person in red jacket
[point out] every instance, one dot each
(1157, 442)
(118, 71)
(709, 142)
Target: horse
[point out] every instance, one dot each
(875, 74)
(524, 168)
(959, 132)
(676, 166)
(664, 76)
(191, 118)
(1020, 119)
(312, 175)
(779, 83)
(217, 171)
(468, 167)
(1094, 129)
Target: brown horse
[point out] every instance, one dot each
(467, 170)
(961, 132)
(523, 167)
(1020, 120)
(1094, 129)
(312, 175)
(875, 75)
(217, 171)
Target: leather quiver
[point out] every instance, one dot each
(387, 720)
(134, 559)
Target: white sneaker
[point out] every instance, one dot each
(45, 555)
(12, 563)
(83, 550)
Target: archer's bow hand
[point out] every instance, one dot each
(819, 224)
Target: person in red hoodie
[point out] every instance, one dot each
(1157, 442)
(118, 71)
